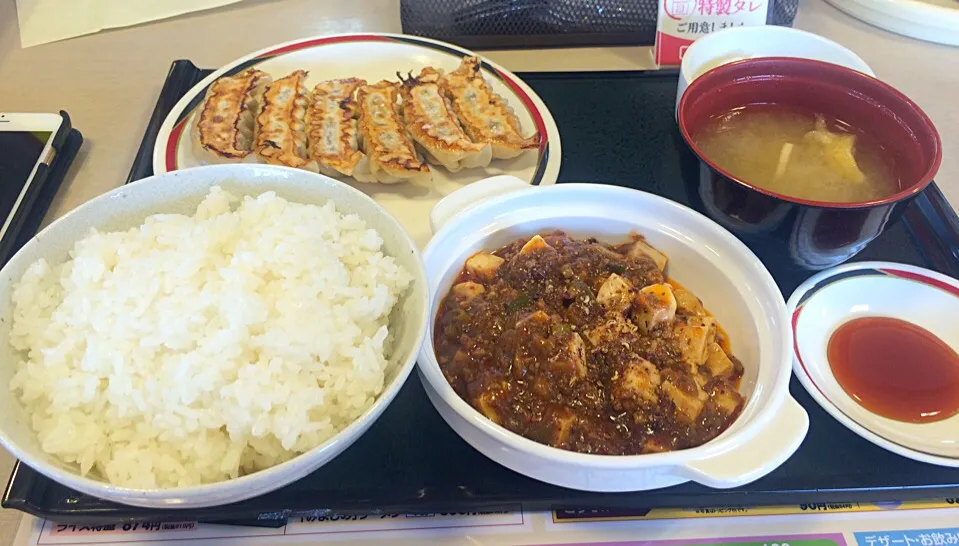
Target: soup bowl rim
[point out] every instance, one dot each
(718, 74)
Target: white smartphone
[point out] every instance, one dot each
(26, 144)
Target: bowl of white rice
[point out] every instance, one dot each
(207, 335)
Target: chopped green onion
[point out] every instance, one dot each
(521, 302)
(561, 329)
(583, 287)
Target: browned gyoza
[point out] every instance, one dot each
(587, 347)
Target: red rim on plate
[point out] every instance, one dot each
(875, 106)
(843, 276)
(173, 139)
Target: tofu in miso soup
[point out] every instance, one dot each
(798, 154)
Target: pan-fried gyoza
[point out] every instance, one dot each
(384, 138)
(485, 115)
(332, 130)
(281, 133)
(372, 132)
(225, 124)
(587, 347)
(434, 127)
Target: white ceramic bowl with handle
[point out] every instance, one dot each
(181, 192)
(713, 264)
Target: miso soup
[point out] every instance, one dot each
(798, 154)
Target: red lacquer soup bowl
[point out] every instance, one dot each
(818, 234)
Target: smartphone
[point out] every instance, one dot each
(26, 152)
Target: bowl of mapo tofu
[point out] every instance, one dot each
(606, 339)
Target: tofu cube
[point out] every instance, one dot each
(485, 401)
(640, 249)
(686, 396)
(570, 360)
(535, 244)
(468, 290)
(654, 305)
(636, 385)
(688, 303)
(563, 423)
(725, 398)
(615, 294)
(483, 266)
(610, 330)
(695, 335)
(718, 362)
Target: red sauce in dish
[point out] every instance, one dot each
(896, 369)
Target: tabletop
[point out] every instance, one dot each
(109, 82)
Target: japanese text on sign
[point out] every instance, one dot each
(130, 527)
(685, 8)
(917, 537)
(681, 22)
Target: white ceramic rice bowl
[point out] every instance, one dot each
(180, 192)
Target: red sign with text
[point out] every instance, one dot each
(682, 22)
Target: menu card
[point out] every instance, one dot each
(930, 522)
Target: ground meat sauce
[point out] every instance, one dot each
(587, 347)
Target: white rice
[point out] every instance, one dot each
(195, 349)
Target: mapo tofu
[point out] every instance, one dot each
(587, 347)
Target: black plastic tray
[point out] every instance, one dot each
(616, 128)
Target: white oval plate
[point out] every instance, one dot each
(929, 20)
(833, 297)
(375, 57)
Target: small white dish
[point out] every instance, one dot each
(834, 297)
(736, 44)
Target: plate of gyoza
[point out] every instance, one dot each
(407, 120)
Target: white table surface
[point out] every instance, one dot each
(109, 82)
